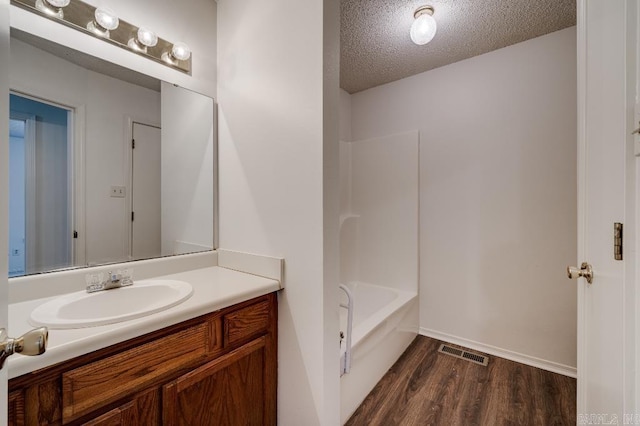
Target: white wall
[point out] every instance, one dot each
(498, 194)
(187, 170)
(273, 172)
(107, 102)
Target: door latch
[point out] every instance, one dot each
(31, 343)
(585, 271)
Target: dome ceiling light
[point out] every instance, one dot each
(424, 27)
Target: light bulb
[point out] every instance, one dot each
(147, 37)
(181, 51)
(52, 8)
(424, 27)
(59, 3)
(106, 19)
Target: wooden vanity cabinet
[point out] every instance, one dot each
(218, 369)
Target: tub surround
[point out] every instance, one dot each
(214, 287)
(378, 255)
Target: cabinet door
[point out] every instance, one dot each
(144, 409)
(227, 391)
(120, 416)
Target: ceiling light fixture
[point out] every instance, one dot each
(424, 27)
(105, 21)
(145, 38)
(52, 8)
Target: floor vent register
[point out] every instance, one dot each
(462, 354)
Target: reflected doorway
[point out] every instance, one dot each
(40, 182)
(145, 187)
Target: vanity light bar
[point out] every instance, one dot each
(82, 17)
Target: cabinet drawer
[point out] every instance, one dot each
(99, 383)
(246, 323)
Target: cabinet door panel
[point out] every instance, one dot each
(227, 391)
(116, 417)
(144, 409)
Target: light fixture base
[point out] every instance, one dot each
(423, 10)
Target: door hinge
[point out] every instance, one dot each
(617, 241)
(131, 216)
(133, 144)
(75, 234)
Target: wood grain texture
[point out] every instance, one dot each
(43, 401)
(116, 417)
(141, 410)
(271, 365)
(96, 384)
(16, 409)
(246, 323)
(427, 388)
(226, 391)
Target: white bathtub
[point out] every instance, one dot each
(385, 322)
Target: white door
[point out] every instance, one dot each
(145, 192)
(606, 195)
(4, 187)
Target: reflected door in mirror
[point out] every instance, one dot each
(40, 178)
(145, 192)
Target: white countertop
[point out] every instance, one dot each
(214, 288)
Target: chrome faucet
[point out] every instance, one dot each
(114, 280)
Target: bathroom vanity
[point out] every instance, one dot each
(212, 359)
(219, 368)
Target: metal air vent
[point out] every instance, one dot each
(462, 354)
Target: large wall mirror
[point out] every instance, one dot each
(106, 164)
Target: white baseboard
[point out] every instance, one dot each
(543, 364)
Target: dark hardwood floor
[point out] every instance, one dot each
(425, 387)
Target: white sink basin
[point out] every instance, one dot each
(82, 309)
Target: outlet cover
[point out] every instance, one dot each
(118, 191)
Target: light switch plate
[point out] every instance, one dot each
(118, 191)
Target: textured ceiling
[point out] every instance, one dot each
(376, 48)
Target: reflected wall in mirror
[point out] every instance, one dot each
(106, 164)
